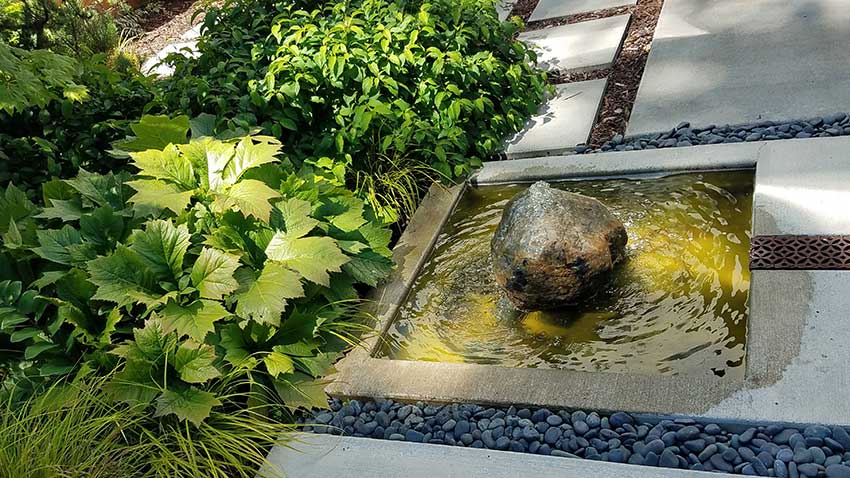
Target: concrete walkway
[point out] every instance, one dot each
(328, 456)
(741, 61)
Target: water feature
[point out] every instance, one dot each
(678, 305)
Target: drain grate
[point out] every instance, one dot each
(829, 252)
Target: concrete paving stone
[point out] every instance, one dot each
(741, 61)
(803, 197)
(153, 65)
(546, 9)
(817, 378)
(315, 456)
(562, 122)
(504, 8)
(579, 46)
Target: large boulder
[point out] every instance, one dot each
(553, 247)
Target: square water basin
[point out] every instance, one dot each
(677, 305)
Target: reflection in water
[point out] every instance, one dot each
(678, 305)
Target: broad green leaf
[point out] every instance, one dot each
(278, 363)
(318, 365)
(369, 268)
(250, 197)
(168, 165)
(265, 299)
(161, 247)
(151, 342)
(212, 273)
(101, 189)
(157, 195)
(300, 326)
(134, 384)
(211, 157)
(195, 362)
(123, 278)
(14, 205)
(47, 279)
(12, 238)
(312, 257)
(102, 227)
(35, 350)
(195, 320)
(54, 244)
(203, 125)
(233, 342)
(301, 348)
(378, 238)
(249, 155)
(24, 334)
(65, 209)
(189, 404)
(346, 213)
(296, 216)
(299, 390)
(155, 132)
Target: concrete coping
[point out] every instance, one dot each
(779, 300)
(314, 456)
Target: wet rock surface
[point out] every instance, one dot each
(770, 450)
(553, 247)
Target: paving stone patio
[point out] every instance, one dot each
(579, 46)
(547, 9)
(563, 122)
(740, 61)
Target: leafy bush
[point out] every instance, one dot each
(58, 115)
(370, 90)
(214, 257)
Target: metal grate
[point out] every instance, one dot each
(800, 252)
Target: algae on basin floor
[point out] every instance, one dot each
(677, 305)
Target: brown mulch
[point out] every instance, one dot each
(623, 76)
(167, 26)
(626, 74)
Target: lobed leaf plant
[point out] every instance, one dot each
(215, 256)
(384, 94)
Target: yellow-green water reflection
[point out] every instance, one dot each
(678, 305)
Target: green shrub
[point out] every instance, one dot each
(58, 115)
(368, 89)
(214, 257)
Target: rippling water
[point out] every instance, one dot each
(678, 305)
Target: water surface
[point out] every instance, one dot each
(678, 305)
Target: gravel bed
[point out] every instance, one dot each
(811, 452)
(837, 124)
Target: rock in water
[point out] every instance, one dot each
(554, 247)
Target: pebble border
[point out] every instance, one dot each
(837, 124)
(785, 452)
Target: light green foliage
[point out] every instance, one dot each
(252, 271)
(382, 94)
(35, 78)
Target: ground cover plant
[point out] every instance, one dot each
(213, 257)
(385, 95)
